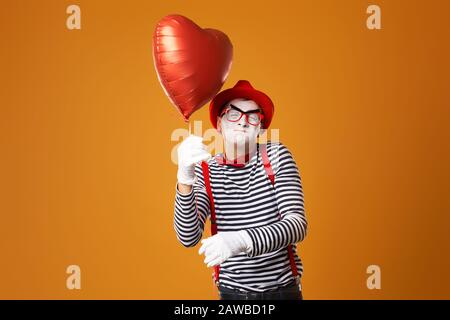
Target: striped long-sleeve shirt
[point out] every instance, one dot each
(245, 199)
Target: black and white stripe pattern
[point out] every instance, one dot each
(245, 199)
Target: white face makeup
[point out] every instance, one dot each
(240, 133)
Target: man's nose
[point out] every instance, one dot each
(243, 121)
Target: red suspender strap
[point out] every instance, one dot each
(271, 175)
(266, 163)
(205, 170)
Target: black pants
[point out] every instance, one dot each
(291, 292)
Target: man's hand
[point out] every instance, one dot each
(190, 151)
(225, 245)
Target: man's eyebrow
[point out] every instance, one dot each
(256, 110)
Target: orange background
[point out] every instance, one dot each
(87, 179)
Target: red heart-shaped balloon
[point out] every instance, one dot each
(192, 63)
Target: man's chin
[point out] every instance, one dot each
(244, 142)
(241, 139)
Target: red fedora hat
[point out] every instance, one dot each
(242, 89)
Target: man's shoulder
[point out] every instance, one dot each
(278, 154)
(274, 147)
(210, 162)
(272, 143)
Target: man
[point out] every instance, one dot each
(253, 196)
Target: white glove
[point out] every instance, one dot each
(190, 151)
(225, 245)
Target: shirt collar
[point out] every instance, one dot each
(238, 162)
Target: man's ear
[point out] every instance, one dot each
(261, 131)
(219, 125)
